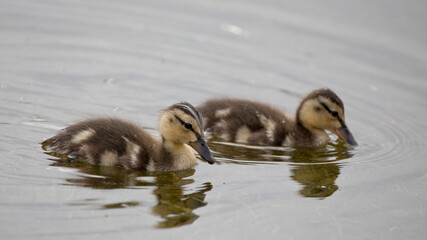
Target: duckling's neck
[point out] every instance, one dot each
(175, 156)
(314, 137)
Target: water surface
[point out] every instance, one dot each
(66, 60)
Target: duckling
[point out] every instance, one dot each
(115, 142)
(254, 122)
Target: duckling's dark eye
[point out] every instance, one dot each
(188, 125)
(317, 109)
(333, 113)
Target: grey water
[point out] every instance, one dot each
(61, 61)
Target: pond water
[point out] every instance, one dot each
(66, 60)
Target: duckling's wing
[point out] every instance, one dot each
(243, 120)
(105, 141)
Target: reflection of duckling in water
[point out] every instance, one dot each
(318, 170)
(318, 179)
(114, 142)
(254, 122)
(175, 203)
(314, 169)
(175, 206)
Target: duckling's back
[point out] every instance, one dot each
(242, 120)
(106, 141)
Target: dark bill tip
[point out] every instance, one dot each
(345, 134)
(202, 148)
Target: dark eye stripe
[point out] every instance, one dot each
(333, 113)
(179, 119)
(184, 124)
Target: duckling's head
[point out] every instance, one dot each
(322, 109)
(182, 123)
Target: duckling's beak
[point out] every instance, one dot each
(203, 150)
(344, 133)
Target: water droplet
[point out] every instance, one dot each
(109, 81)
(232, 29)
